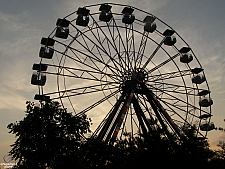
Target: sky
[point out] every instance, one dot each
(24, 22)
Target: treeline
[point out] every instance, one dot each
(50, 137)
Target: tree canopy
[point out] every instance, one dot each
(49, 136)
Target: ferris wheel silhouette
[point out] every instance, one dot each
(127, 70)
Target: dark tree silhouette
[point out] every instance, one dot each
(51, 137)
(218, 159)
(48, 136)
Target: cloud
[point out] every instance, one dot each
(12, 100)
(215, 140)
(147, 5)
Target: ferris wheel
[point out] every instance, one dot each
(125, 69)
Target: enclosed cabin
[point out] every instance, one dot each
(205, 116)
(105, 14)
(150, 25)
(128, 17)
(38, 78)
(62, 30)
(185, 56)
(47, 48)
(42, 79)
(42, 97)
(39, 67)
(205, 101)
(207, 126)
(198, 78)
(82, 18)
(169, 39)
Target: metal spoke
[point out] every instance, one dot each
(184, 120)
(170, 75)
(152, 55)
(78, 60)
(89, 72)
(182, 101)
(110, 44)
(141, 49)
(98, 102)
(116, 48)
(163, 63)
(97, 46)
(119, 39)
(175, 88)
(87, 89)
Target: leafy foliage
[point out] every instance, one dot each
(51, 137)
(218, 159)
(47, 136)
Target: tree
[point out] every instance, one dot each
(48, 136)
(218, 159)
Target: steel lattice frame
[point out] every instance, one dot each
(98, 69)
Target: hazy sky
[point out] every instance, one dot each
(24, 22)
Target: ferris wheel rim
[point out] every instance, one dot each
(179, 71)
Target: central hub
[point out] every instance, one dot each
(140, 75)
(136, 78)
